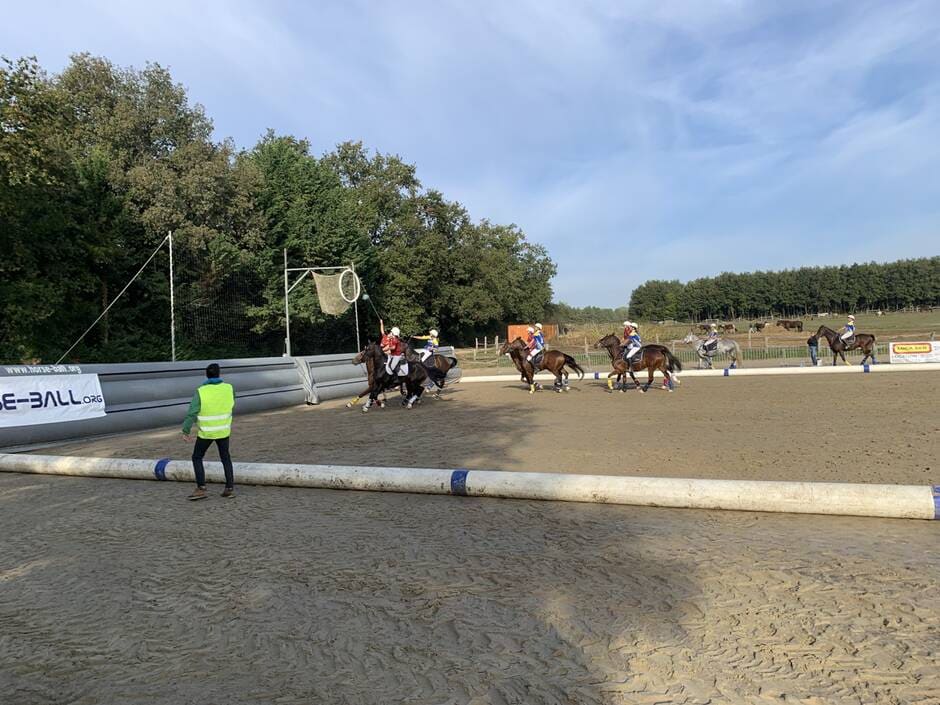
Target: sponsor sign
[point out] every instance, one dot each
(49, 398)
(928, 351)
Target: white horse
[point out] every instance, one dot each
(728, 347)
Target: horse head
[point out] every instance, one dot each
(608, 341)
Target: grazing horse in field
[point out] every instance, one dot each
(863, 341)
(729, 347)
(650, 358)
(552, 360)
(791, 325)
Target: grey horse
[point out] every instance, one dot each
(728, 347)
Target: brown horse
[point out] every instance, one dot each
(863, 341)
(370, 372)
(790, 325)
(651, 358)
(552, 360)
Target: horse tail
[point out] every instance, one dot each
(673, 361)
(573, 364)
(452, 360)
(737, 350)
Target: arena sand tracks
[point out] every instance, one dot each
(115, 590)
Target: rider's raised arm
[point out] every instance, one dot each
(382, 326)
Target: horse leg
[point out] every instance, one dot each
(610, 382)
(649, 379)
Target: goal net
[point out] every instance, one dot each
(337, 292)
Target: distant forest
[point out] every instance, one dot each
(807, 290)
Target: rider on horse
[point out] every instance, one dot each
(711, 340)
(431, 346)
(535, 343)
(631, 342)
(394, 349)
(848, 332)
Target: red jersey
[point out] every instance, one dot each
(392, 345)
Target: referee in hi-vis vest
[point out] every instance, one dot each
(211, 410)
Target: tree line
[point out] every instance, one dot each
(807, 290)
(98, 163)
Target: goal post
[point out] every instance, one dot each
(338, 288)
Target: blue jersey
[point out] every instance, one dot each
(539, 339)
(431, 344)
(634, 339)
(850, 328)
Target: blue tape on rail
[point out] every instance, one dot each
(866, 368)
(597, 375)
(159, 470)
(936, 501)
(458, 483)
(727, 372)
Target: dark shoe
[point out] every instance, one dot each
(198, 493)
(228, 492)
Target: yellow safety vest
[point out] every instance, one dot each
(216, 402)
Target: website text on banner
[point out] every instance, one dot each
(39, 399)
(926, 351)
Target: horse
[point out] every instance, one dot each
(728, 347)
(435, 362)
(863, 341)
(790, 325)
(414, 381)
(552, 360)
(370, 372)
(651, 358)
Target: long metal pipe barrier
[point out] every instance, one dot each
(895, 501)
(735, 372)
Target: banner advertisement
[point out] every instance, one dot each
(50, 398)
(928, 351)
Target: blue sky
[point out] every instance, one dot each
(635, 140)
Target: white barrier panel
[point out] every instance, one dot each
(894, 501)
(735, 372)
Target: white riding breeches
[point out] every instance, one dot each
(846, 335)
(392, 361)
(533, 354)
(425, 354)
(632, 350)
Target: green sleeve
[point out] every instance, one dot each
(190, 419)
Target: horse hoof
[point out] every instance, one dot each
(365, 410)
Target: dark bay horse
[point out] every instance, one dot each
(650, 358)
(552, 360)
(863, 341)
(414, 381)
(370, 372)
(437, 366)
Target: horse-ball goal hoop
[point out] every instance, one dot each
(357, 286)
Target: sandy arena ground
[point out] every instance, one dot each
(123, 592)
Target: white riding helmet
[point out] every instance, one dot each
(531, 329)
(539, 326)
(627, 323)
(396, 331)
(715, 326)
(433, 333)
(851, 318)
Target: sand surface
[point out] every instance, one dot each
(840, 428)
(122, 592)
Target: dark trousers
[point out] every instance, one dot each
(199, 452)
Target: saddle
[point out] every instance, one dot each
(711, 348)
(537, 360)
